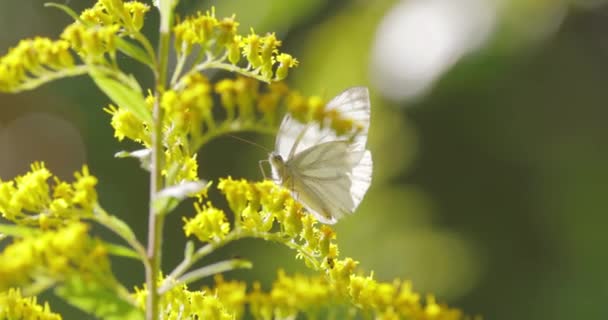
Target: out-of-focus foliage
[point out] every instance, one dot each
(489, 181)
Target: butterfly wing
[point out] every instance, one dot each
(352, 103)
(328, 174)
(329, 178)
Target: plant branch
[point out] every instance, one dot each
(219, 64)
(122, 230)
(206, 271)
(236, 234)
(49, 76)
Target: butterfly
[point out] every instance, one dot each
(328, 174)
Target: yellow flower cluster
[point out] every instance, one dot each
(244, 95)
(99, 28)
(396, 300)
(33, 58)
(130, 15)
(291, 295)
(189, 109)
(92, 43)
(127, 125)
(14, 306)
(220, 37)
(56, 254)
(40, 60)
(30, 199)
(209, 225)
(232, 294)
(343, 296)
(264, 210)
(181, 303)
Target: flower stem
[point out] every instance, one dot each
(206, 271)
(156, 219)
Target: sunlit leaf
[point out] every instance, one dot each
(123, 95)
(97, 299)
(134, 51)
(63, 8)
(121, 251)
(143, 155)
(18, 231)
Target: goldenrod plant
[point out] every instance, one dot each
(47, 229)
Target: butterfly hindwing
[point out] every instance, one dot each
(325, 172)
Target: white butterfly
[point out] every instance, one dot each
(328, 174)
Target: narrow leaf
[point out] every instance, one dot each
(65, 9)
(18, 231)
(143, 155)
(122, 95)
(121, 251)
(97, 299)
(134, 51)
(114, 223)
(183, 190)
(170, 197)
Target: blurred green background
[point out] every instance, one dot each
(488, 135)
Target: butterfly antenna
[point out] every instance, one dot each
(250, 142)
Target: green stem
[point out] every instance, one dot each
(199, 254)
(146, 44)
(116, 226)
(156, 219)
(181, 61)
(237, 234)
(49, 76)
(206, 271)
(229, 126)
(218, 64)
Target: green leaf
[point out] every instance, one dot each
(115, 224)
(142, 154)
(134, 52)
(18, 231)
(121, 251)
(125, 95)
(65, 9)
(170, 197)
(97, 299)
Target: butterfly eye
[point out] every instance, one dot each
(277, 158)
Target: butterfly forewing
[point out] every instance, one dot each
(352, 103)
(328, 174)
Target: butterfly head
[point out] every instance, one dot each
(276, 160)
(278, 166)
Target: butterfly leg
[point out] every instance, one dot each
(262, 168)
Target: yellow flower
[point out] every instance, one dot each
(286, 62)
(181, 303)
(92, 43)
(55, 254)
(85, 194)
(14, 306)
(233, 295)
(209, 224)
(137, 11)
(127, 125)
(33, 58)
(189, 108)
(252, 49)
